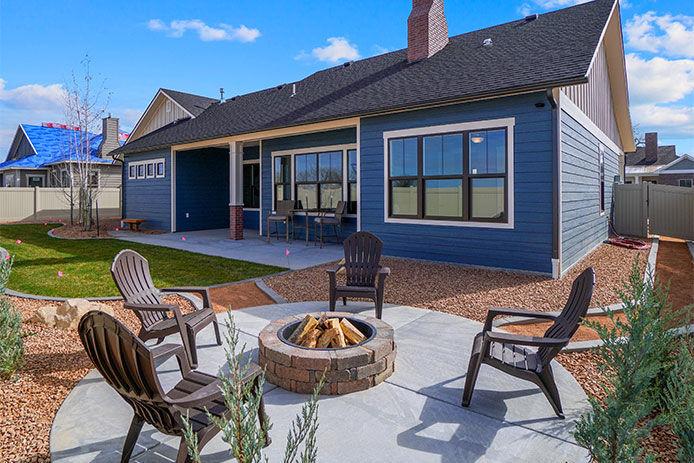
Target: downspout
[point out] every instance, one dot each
(556, 185)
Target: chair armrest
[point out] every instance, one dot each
(334, 269)
(522, 340)
(150, 307)
(496, 311)
(212, 391)
(384, 271)
(167, 350)
(204, 291)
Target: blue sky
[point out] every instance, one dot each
(198, 47)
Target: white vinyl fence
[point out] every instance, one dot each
(36, 203)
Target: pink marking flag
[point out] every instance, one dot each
(19, 241)
(116, 228)
(286, 252)
(52, 229)
(60, 220)
(183, 238)
(45, 223)
(7, 257)
(60, 273)
(50, 218)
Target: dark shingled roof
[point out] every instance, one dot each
(194, 104)
(666, 154)
(554, 50)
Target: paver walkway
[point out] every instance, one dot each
(252, 248)
(414, 416)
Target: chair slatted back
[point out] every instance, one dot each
(362, 258)
(575, 309)
(126, 364)
(130, 272)
(340, 210)
(284, 207)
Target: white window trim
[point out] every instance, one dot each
(146, 175)
(508, 123)
(156, 170)
(260, 176)
(602, 191)
(317, 149)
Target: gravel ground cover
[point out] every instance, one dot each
(470, 292)
(77, 231)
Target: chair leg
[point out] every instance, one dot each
(379, 305)
(159, 341)
(193, 348)
(286, 228)
(131, 438)
(473, 368)
(182, 456)
(344, 301)
(549, 388)
(216, 331)
(267, 229)
(333, 300)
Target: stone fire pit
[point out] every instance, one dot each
(349, 369)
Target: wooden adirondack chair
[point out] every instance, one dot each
(127, 365)
(130, 272)
(365, 276)
(505, 351)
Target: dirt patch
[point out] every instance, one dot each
(470, 292)
(56, 362)
(77, 231)
(238, 296)
(584, 333)
(674, 266)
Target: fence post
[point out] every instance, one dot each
(36, 201)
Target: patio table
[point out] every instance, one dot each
(307, 212)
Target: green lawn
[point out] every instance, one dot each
(85, 264)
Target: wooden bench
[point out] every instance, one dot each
(135, 222)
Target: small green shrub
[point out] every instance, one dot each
(633, 356)
(679, 398)
(241, 430)
(11, 336)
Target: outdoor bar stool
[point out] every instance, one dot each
(322, 221)
(283, 214)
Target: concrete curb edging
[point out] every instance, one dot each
(271, 293)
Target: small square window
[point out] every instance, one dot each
(160, 169)
(150, 170)
(132, 171)
(140, 171)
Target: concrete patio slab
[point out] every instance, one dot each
(413, 416)
(253, 247)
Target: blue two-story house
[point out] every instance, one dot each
(494, 148)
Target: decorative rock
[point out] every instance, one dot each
(67, 316)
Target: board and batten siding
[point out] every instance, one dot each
(528, 246)
(320, 139)
(594, 97)
(164, 112)
(148, 198)
(583, 225)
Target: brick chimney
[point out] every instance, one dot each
(651, 148)
(427, 29)
(109, 130)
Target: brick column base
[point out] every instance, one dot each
(236, 222)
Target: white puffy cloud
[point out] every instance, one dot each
(338, 49)
(672, 35)
(668, 121)
(178, 27)
(32, 96)
(128, 117)
(659, 80)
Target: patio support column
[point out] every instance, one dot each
(236, 190)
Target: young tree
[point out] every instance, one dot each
(84, 106)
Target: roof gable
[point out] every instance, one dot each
(683, 164)
(554, 50)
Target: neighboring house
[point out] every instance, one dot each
(44, 156)
(658, 164)
(494, 148)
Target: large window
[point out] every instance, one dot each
(251, 186)
(317, 178)
(686, 182)
(282, 178)
(458, 176)
(601, 162)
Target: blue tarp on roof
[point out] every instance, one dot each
(52, 144)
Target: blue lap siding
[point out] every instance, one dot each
(202, 189)
(528, 246)
(583, 226)
(148, 198)
(334, 137)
